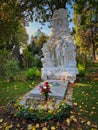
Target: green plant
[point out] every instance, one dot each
(28, 58)
(11, 69)
(37, 62)
(85, 95)
(81, 68)
(33, 73)
(11, 90)
(38, 73)
(4, 56)
(37, 110)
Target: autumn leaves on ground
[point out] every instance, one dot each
(83, 113)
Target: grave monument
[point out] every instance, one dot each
(59, 52)
(59, 63)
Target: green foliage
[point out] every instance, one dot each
(9, 20)
(4, 55)
(37, 114)
(85, 95)
(11, 24)
(41, 40)
(81, 59)
(81, 68)
(33, 73)
(11, 68)
(37, 44)
(21, 36)
(85, 21)
(11, 90)
(37, 62)
(42, 9)
(28, 58)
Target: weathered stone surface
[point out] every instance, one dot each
(59, 61)
(58, 89)
(59, 52)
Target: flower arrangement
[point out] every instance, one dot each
(37, 110)
(45, 89)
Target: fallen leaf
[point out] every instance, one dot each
(0, 127)
(37, 125)
(18, 125)
(88, 123)
(75, 104)
(80, 106)
(1, 120)
(93, 129)
(74, 119)
(5, 124)
(92, 112)
(6, 128)
(52, 128)
(96, 102)
(83, 120)
(44, 128)
(42, 124)
(45, 123)
(68, 121)
(33, 128)
(83, 92)
(82, 103)
(79, 113)
(10, 126)
(29, 127)
(93, 108)
(95, 126)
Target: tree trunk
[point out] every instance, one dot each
(94, 55)
(93, 43)
(61, 4)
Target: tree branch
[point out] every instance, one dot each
(50, 7)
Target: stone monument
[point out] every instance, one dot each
(59, 63)
(59, 60)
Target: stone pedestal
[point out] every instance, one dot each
(58, 89)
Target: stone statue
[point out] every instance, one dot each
(59, 52)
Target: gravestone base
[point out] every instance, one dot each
(59, 73)
(58, 89)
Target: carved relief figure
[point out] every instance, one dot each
(58, 51)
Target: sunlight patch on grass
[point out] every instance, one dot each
(83, 84)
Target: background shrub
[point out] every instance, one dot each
(4, 56)
(11, 69)
(28, 58)
(37, 62)
(81, 69)
(32, 73)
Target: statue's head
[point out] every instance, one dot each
(60, 20)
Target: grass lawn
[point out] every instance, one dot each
(85, 98)
(84, 114)
(15, 89)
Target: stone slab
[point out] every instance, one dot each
(58, 89)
